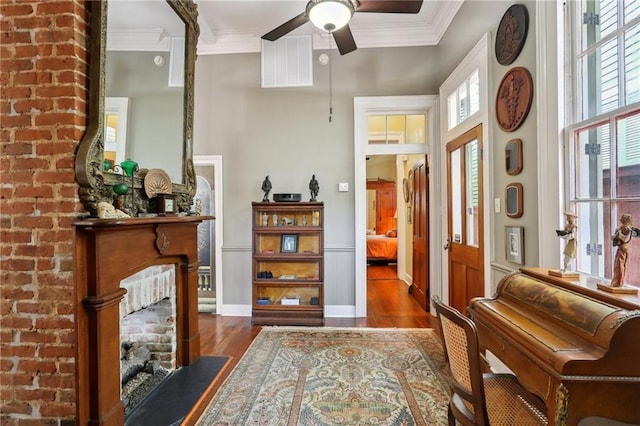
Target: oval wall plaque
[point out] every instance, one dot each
(515, 94)
(512, 33)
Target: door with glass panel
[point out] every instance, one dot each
(465, 231)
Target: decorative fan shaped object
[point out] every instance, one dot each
(333, 16)
(157, 181)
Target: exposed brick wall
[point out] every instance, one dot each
(43, 104)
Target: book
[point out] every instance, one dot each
(290, 301)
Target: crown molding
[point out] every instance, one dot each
(211, 42)
(365, 36)
(132, 40)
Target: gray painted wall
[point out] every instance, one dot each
(285, 133)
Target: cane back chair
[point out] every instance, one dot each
(479, 398)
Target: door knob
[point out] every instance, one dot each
(447, 246)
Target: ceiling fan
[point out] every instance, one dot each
(333, 16)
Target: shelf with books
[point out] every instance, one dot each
(288, 263)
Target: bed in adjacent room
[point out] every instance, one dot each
(382, 248)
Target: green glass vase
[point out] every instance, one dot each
(129, 166)
(120, 188)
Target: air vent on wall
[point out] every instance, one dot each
(176, 62)
(287, 62)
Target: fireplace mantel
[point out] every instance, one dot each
(106, 252)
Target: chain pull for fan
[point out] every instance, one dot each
(330, 78)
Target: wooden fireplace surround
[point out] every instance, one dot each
(107, 251)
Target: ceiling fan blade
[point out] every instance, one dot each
(390, 6)
(287, 27)
(344, 40)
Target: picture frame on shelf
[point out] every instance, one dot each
(514, 244)
(289, 243)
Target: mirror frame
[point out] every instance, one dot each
(95, 183)
(514, 203)
(513, 157)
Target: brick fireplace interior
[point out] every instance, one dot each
(147, 333)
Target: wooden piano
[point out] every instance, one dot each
(576, 347)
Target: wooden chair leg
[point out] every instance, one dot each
(452, 420)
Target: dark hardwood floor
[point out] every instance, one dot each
(389, 305)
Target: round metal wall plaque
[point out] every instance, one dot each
(514, 98)
(512, 33)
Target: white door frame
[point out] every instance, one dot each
(383, 105)
(216, 162)
(477, 58)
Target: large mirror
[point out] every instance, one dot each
(141, 103)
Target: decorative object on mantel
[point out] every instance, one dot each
(164, 204)
(569, 234)
(513, 101)
(314, 188)
(621, 239)
(157, 181)
(128, 169)
(158, 187)
(266, 188)
(512, 33)
(108, 211)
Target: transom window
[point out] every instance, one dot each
(464, 101)
(397, 129)
(604, 139)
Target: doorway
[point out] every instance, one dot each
(383, 237)
(399, 146)
(208, 200)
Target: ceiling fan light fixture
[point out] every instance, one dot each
(330, 15)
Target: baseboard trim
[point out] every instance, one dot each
(330, 311)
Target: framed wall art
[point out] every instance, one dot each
(289, 243)
(511, 34)
(513, 157)
(514, 200)
(513, 101)
(514, 244)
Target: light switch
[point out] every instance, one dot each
(496, 204)
(343, 187)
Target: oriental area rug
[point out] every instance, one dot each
(335, 376)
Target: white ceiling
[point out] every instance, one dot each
(235, 26)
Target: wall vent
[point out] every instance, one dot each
(176, 62)
(287, 62)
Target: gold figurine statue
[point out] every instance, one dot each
(621, 240)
